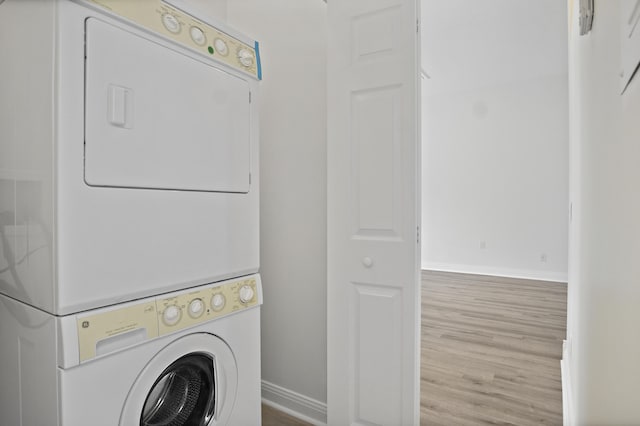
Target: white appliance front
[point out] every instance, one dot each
(129, 152)
(135, 364)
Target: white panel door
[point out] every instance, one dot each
(373, 213)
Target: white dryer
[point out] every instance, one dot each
(182, 359)
(128, 151)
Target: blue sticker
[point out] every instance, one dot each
(259, 64)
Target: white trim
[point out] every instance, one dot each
(567, 410)
(297, 405)
(497, 272)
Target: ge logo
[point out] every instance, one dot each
(85, 324)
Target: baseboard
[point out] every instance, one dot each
(294, 404)
(567, 405)
(497, 272)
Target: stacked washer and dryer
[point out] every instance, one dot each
(129, 292)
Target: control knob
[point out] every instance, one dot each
(245, 57)
(221, 46)
(198, 37)
(196, 308)
(217, 302)
(246, 294)
(171, 23)
(171, 315)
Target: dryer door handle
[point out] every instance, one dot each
(120, 106)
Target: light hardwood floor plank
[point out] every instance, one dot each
(491, 350)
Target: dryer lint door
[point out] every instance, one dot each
(158, 118)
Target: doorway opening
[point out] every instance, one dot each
(495, 190)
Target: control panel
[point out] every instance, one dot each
(188, 309)
(161, 17)
(111, 329)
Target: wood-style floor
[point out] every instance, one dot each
(273, 417)
(491, 350)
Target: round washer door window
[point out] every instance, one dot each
(190, 382)
(184, 394)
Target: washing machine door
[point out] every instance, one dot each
(190, 382)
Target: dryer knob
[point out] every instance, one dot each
(171, 315)
(245, 57)
(221, 46)
(246, 294)
(198, 37)
(171, 23)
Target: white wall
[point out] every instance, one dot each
(292, 35)
(214, 8)
(604, 292)
(495, 132)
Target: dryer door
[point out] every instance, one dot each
(160, 118)
(191, 382)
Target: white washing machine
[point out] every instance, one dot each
(128, 151)
(180, 359)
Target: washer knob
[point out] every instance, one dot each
(245, 57)
(217, 302)
(196, 308)
(246, 294)
(171, 315)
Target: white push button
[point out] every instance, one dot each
(198, 36)
(171, 23)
